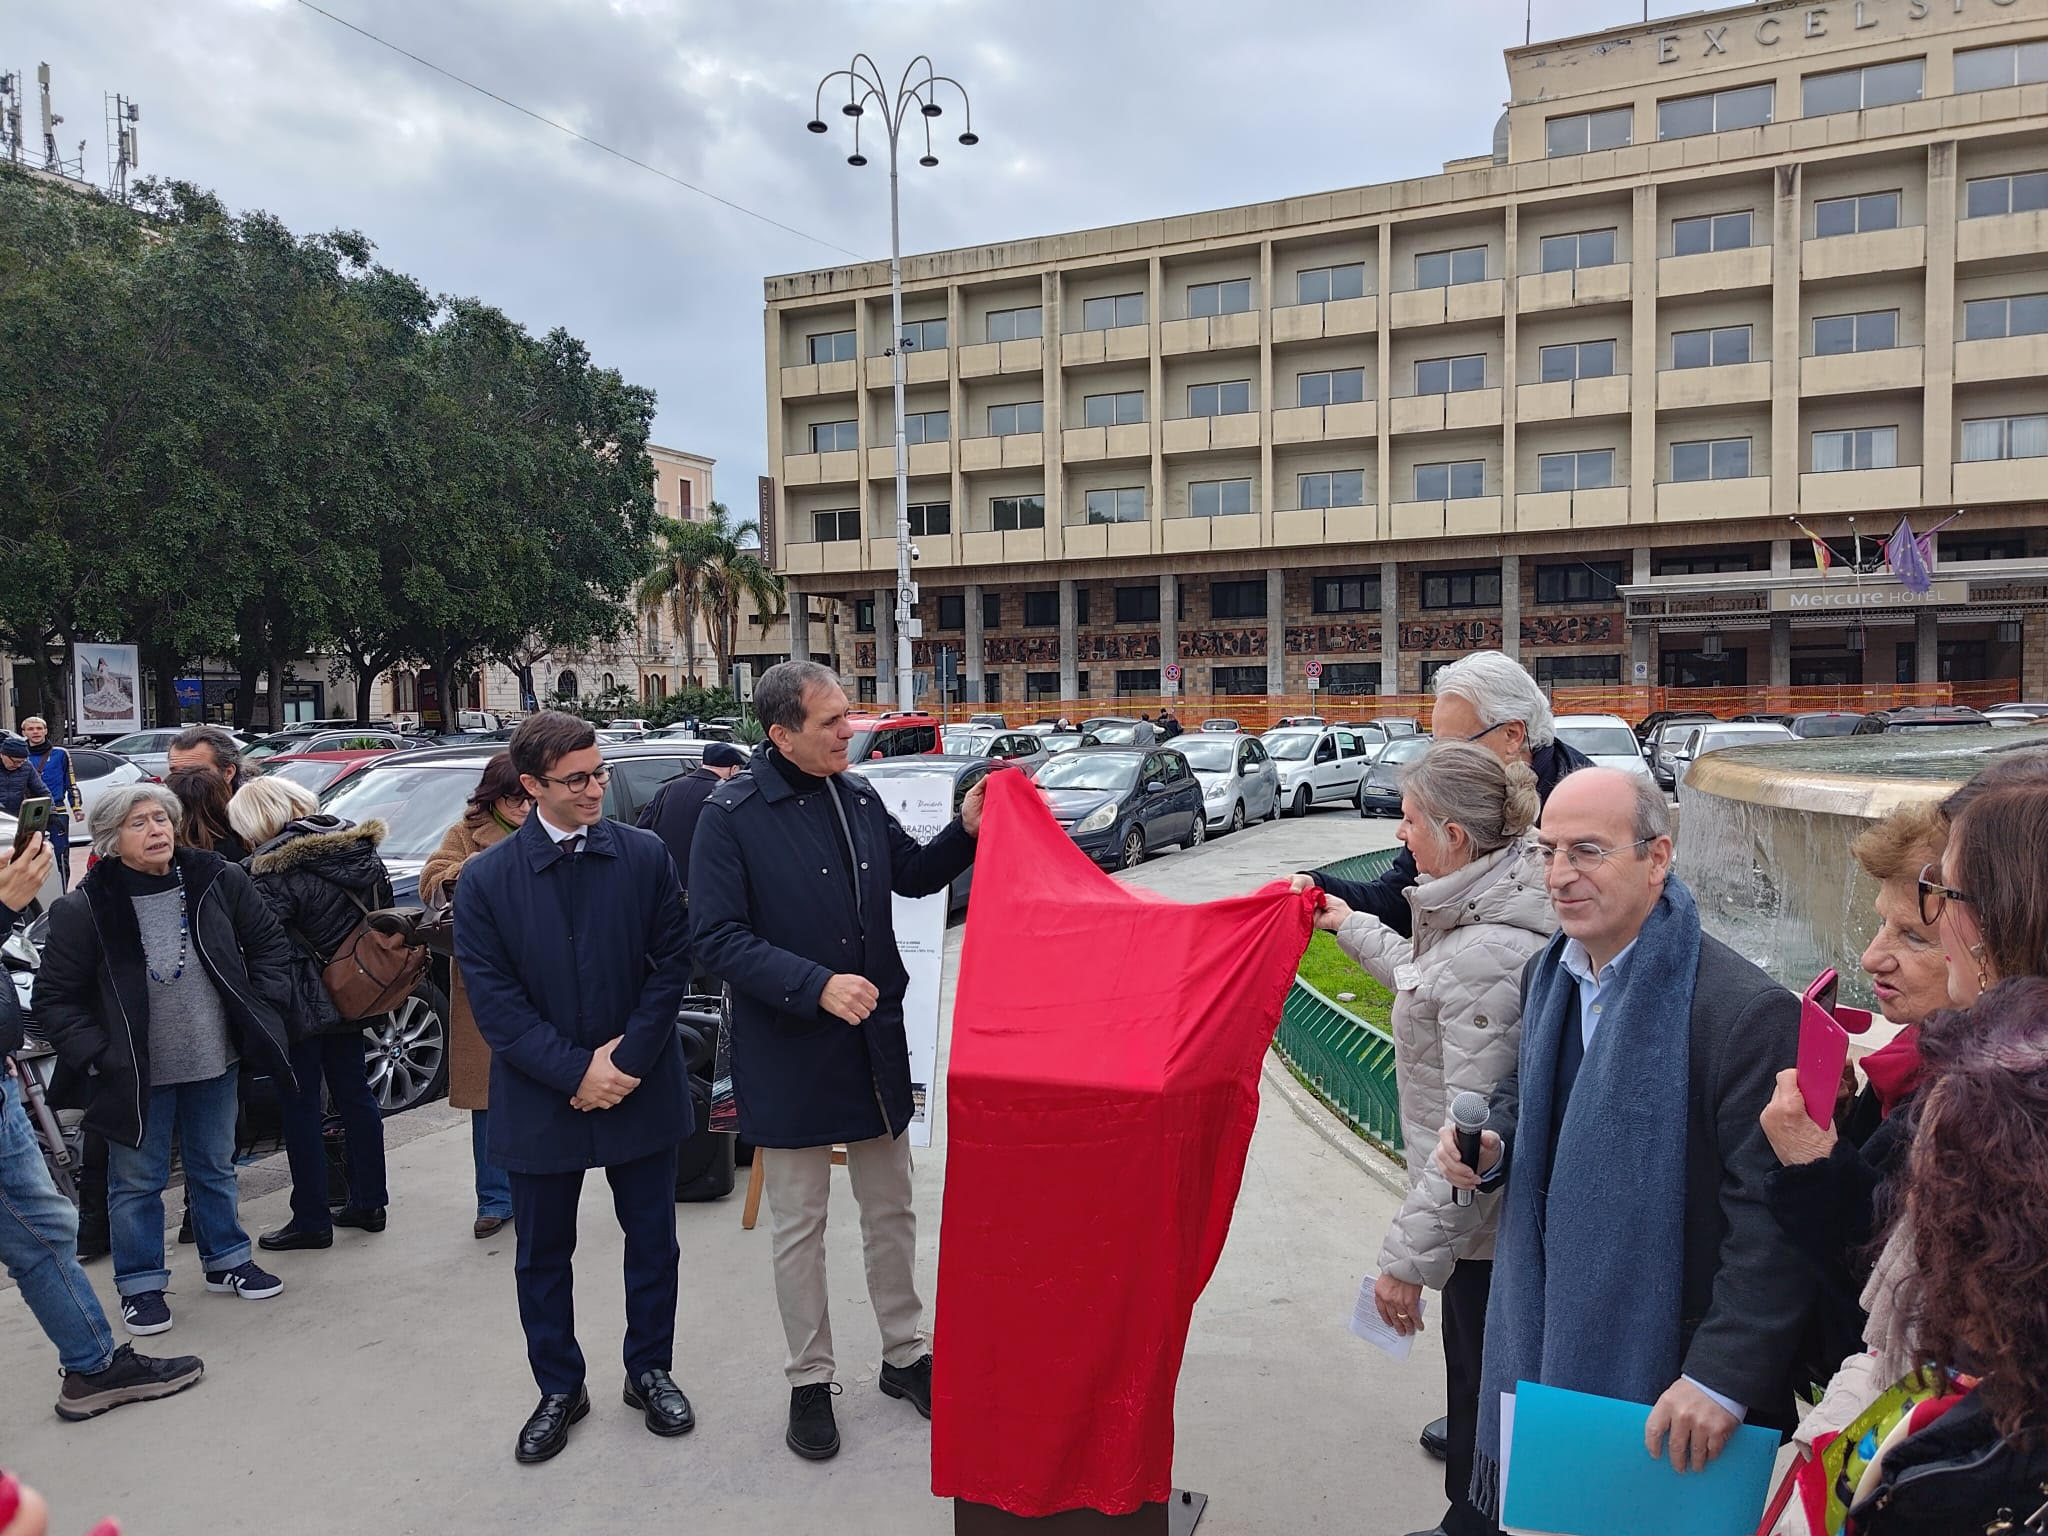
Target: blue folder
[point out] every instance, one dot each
(1577, 1467)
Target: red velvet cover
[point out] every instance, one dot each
(1100, 1101)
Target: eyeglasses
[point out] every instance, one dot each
(576, 783)
(1477, 735)
(1934, 895)
(1584, 856)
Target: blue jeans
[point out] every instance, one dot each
(493, 1184)
(204, 1116)
(339, 1060)
(39, 1246)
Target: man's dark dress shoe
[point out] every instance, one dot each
(813, 1433)
(656, 1395)
(912, 1383)
(547, 1431)
(1436, 1438)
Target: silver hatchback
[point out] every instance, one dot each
(1239, 782)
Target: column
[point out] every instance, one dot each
(1276, 632)
(1642, 638)
(1938, 415)
(1786, 337)
(1070, 648)
(1390, 626)
(971, 673)
(1926, 648)
(885, 647)
(1781, 651)
(1781, 557)
(1511, 607)
(1169, 624)
(799, 623)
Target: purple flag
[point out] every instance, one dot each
(1907, 556)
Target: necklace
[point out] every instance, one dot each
(184, 937)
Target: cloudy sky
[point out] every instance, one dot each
(1090, 112)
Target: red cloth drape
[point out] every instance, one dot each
(1100, 1101)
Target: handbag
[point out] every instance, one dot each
(370, 971)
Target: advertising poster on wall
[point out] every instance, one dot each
(923, 804)
(107, 689)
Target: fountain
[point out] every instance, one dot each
(1764, 833)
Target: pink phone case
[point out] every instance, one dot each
(1823, 1052)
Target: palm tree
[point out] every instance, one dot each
(708, 567)
(683, 556)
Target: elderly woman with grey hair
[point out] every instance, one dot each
(161, 973)
(1479, 910)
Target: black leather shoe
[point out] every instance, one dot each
(370, 1220)
(1436, 1438)
(913, 1383)
(813, 1433)
(291, 1239)
(655, 1394)
(544, 1434)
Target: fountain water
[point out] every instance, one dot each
(1764, 834)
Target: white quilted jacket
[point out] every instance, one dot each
(1457, 1025)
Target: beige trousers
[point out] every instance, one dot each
(799, 1187)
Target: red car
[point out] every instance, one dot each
(892, 735)
(320, 771)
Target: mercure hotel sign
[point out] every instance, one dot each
(1858, 20)
(1841, 597)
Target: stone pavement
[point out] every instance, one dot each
(381, 1392)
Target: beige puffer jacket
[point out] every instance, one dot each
(1457, 1026)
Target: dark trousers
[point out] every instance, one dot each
(1464, 1325)
(338, 1059)
(544, 1213)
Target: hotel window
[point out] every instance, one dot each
(1041, 685)
(1014, 324)
(1583, 581)
(839, 526)
(1012, 420)
(1237, 682)
(1575, 360)
(1583, 132)
(1989, 196)
(1143, 681)
(832, 347)
(1872, 331)
(834, 436)
(1458, 481)
(1450, 375)
(1710, 232)
(1590, 469)
(1230, 399)
(2023, 314)
(991, 610)
(863, 615)
(1042, 610)
(1237, 599)
(1721, 458)
(1119, 410)
(1855, 90)
(2011, 547)
(1461, 589)
(1345, 594)
(1340, 386)
(924, 335)
(1318, 285)
(864, 690)
(2005, 437)
(1449, 269)
(1331, 488)
(1682, 117)
(1007, 514)
(1112, 312)
(1138, 605)
(1855, 215)
(1233, 297)
(1552, 670)
(952, 611)
(929, 519)
(1703, 565)
(1855, 448)
(1715, 348)
(1986, 69)
(1586, 248)
(1123, 505)
(1219, 498)
(927, 426)
(1351, 677)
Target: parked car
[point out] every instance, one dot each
(148, 750)
(892, 735)
(1662, 749)
(997, 721)
(1400, 725)
(2038, 711)
(1715, 735)
(639, 726)
(1239, 781)
(1815, 723)
(1120, 803)
(1606, 739)
(1230, 727)
(320, 771)
(1298, 722)
(1318, 766)
(97, 772)
(2008, 717)
(966, 773)
(1376, 735)
(1656, 720)
(1762, 717)
(1123, 733)
(1027, 751)
(1066, 741)
(1894, 722)
(1379, 793)
(347, 739)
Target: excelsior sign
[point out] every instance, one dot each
(1812, 21)
(1841, 596)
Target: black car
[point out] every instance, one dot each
(1120, 803)
(1897, 722)
(1379, 793)
(1815, 723)
(966, 772)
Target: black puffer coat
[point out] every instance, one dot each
(312, 875)
(1957, 1475)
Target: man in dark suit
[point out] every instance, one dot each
(571, 937)
(672, 814)
(1634, 1113)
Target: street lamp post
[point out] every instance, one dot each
(865, 86)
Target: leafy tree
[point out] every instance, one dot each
(683, 553)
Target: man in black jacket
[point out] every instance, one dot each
(791, 878)
(1487, 698)
(672, 814)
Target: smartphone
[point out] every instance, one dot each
(1823, 1048)
(34, 817)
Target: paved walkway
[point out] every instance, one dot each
(381, 1392)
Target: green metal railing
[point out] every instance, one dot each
(1343, 1060)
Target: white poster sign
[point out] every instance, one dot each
(107, 689)
(923, 803)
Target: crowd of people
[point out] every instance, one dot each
(1650, 1212)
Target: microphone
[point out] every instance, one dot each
(1469, 1114)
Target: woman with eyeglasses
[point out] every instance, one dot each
(1988, 894)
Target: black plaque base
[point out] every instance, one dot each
(1177, 1517)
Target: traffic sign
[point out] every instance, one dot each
(1315, 670)
(1172, 671)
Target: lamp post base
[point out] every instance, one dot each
(1178, 1516)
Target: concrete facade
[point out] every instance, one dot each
(1759, 304)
